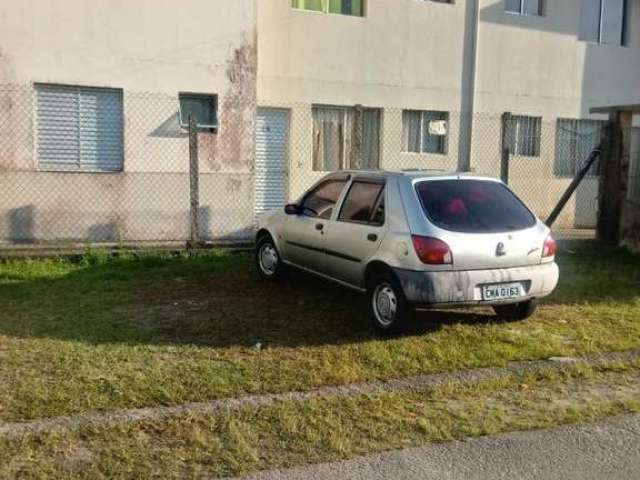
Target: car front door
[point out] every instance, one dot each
(304, 234)
(357, 231)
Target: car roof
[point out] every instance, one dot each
(417, 174)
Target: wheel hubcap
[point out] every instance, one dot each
(385, 304)
(268, 259)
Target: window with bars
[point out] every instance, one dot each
(575, 139)
(523, 7)
(425, 131)
(346, 138)
(343, 7)
(79, 128)
(525, 136)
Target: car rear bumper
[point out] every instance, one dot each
(465, 287)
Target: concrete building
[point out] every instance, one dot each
(464, 62)
(94, 97)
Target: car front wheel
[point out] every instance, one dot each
(388, 307)
(516, 311)
(268, 261)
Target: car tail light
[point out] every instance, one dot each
(432, 251)
(549, 249)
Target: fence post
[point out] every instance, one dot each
(194, 185)
(614, 171)
(506, 146)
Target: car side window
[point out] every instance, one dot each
(321, 201)
(364, 203)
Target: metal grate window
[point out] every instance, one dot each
(425, 131)
(525, 135)
(346, 138)
(79, 128)
(575, 139)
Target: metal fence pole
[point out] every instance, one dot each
(506, 146)
(194, 185)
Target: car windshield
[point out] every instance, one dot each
(473, 206)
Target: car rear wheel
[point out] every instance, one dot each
(268, 261)
(388, 307)
(516, 311)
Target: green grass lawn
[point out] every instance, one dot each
(100, 333)
(291, 433)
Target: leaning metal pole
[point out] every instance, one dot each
(591, 159)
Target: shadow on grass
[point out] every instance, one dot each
(218, 301)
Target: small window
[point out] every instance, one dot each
(203, 108)
(364, 203)
(343, 7)
(321, 200)
(525, 135)
(575, 139)
(603, 21)
(524, 7)
(473, 206)
(425, 131)
(79, 128)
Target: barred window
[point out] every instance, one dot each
(425, 131)
(79, 128)
(346, 138)
(525, 135)
(575, 139)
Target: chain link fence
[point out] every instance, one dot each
(100, 166)
(537, 158)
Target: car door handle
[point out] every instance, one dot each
(319, 226)
(372, 237)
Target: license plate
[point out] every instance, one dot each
(501, 291)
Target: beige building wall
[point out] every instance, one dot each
(408, 54)
(536, 66)
(402, 54)
(151, 50)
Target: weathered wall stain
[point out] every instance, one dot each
(232, 147)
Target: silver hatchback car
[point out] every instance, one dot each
(414, 239)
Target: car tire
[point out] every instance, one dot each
(516, 311)
(267, 258)
(388, 307)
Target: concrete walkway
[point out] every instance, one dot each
(608, 450)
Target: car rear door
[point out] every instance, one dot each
(485, 225)
(304, 234)
(357, 231)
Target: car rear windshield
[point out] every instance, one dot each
(473, 206)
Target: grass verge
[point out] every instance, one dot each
(100, 333)
(293, 433)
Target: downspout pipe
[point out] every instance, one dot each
(468, 83)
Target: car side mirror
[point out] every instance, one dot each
(292, 209)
